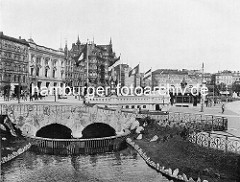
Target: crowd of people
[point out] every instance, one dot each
(23, 96)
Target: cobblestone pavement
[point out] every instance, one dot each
(232, 112)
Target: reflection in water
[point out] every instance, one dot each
(121, 166)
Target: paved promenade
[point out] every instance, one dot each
(232, 112)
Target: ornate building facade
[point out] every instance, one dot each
(88, 64)
(175, 78)
(46, 66)
(13, 64)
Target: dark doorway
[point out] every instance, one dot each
(157, 107)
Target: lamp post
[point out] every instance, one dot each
(202, 97)
(19, 84)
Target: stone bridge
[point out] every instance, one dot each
(31, 118)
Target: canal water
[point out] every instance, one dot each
(120, 166)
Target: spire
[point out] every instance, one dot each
(78, 40)
(65, 48)
(110, 43)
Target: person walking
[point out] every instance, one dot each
(223, 108)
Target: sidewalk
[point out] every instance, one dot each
(230, 113)
(48, 100)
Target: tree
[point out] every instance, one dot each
(221, 87)
(236, 86)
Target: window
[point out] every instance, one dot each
(144, 106)
(132, 107)
(46, 72)
(31, 71)
(37, 71)
(54, 71)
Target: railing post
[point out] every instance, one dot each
(209, 140)
(212, 123)
(226, 144)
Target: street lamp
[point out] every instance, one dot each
(202, 97)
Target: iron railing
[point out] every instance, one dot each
(226, 143)
(76, 146)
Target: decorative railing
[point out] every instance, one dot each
(196, 122)
(76, 146)
(217, 141)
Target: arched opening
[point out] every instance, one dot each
(55, 131)
(98, 130)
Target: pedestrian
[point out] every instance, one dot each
(223, 108)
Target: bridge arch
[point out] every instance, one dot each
(55, 130)
(98, 130)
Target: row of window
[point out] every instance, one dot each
(14, 47)
(133, 107)
(46, 74)
(13, 78)
(14, 56)
(14, 67)
(47, 60)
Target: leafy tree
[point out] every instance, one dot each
(236, 87)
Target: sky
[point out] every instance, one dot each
(157, 34)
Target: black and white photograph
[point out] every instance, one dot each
(120, 90)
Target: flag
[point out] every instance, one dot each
(82, 56)
(134, 71)
(147, 74)
(114, 63)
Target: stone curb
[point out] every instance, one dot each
(15, 154)
(169, 172)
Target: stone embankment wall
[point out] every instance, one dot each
(15, 154)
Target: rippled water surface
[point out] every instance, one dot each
(118, 166)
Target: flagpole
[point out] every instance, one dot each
(151, 79)
(120, 73)
(87, 65)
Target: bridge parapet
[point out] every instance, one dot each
(30, 118)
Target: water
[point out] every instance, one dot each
(121, 166)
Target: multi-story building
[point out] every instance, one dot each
(122, 72)
(223, 77)
(236, 77)
(70, 69)
(46, 66)
(13, 64)
(132, 80)
(175, 78)
(91, 63)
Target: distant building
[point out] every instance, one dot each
(122, 72)
(91, 63)
(46, 66)
(175, 78)
(223, 77)
(236, 77)
(133, 80)
(13, 64)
